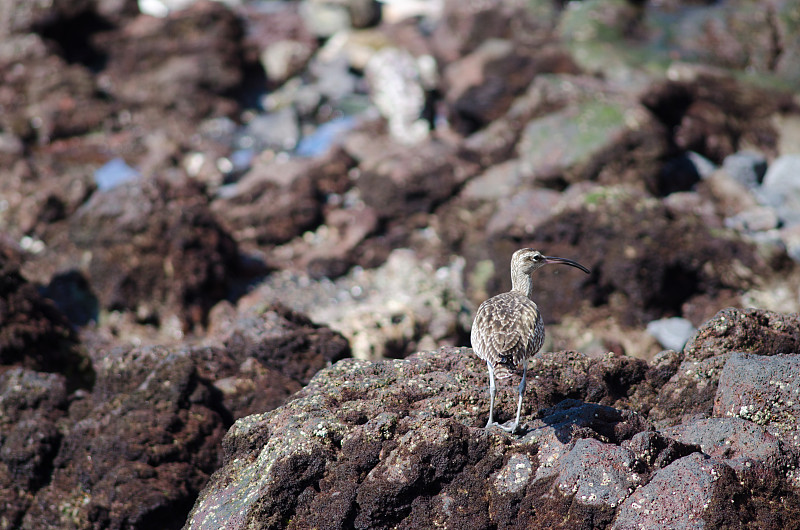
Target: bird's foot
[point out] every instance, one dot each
(513, 429)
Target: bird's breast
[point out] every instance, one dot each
(508, 328)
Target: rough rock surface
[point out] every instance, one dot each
(33, 333)
(692, 388)
(190, 191)
(184, 260)
(401, 444)
(134, 450)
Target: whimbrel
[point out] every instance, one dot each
(508, 328)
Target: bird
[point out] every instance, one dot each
(508, 328)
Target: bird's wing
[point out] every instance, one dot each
(507, 329)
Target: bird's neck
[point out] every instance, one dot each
(522, 283)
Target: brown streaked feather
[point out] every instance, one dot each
(507, 329)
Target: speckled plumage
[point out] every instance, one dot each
(508, 328)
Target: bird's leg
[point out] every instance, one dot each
(522, 385)
(492, 393)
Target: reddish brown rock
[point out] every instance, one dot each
(180, 64)
(259, 356)
(277, 201)
(693, 388)
(155, 249)
(135, 458)
(33, 333)
(398, 443)
(31, 404)
(748, 330)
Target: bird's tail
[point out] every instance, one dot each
(502, 371)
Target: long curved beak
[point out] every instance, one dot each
(565, 261)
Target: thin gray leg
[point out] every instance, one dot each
(522, 385)
(492, 393)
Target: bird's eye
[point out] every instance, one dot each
(536, 257)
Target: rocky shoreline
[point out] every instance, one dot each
(608, 443)
(241, 244)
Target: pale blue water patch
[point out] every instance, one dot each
(324, 136)
(113, 173)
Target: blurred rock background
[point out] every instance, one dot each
(204, 203)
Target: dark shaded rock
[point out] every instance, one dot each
(693, 388)
(30, 405)
(156, 249)
(677, 174)
(572, 375)
(71, 293)
(262, 355)
(707, 115)
(749, 330)
(138, 458)
(396, 443)
(33, 333)
(277, 201)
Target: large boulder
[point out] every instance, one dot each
(401, 443)
(156, 249)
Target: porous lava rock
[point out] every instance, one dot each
(401, 444)
(33, 332)
(137, 449)
(155, 248)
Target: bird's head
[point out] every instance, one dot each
(528, 260)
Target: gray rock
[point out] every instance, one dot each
(672, 333)
(781, 188)
(586, 139)
(758, 219)
(737, 441)
(403, 306)
(763, 390)
(285, 58)
(598, 473)
(790, 238)
(746, 167)
(327, 17)
(702, 165)
(396, 84)
(278, 130)
(684, 495)
(693, 387)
